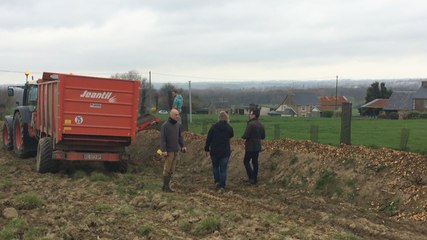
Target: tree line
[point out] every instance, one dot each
(271, 97)
(152, 99)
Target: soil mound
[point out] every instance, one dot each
(305, 191)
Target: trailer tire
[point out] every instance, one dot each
(119, 166)
(23, 145)
(7, 134)
(44, 161)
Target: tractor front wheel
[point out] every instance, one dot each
(22, 143)
(7, 136)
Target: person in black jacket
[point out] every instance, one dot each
(254, 132)
(218, 145)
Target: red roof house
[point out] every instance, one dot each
(331, 103)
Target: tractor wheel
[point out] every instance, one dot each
(44, 161)
(7, 136)
(23, 145)
(119, 166)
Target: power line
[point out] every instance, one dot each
(177, 75)
(198, 77)
(11, 71)
(15, 71)
(326, 78)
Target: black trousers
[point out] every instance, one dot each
(251, 169)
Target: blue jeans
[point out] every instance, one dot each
(219, 170)
(252, 171)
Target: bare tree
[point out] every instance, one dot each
(145, 88)
(165, 96)
(131, 75)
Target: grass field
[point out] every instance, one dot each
(374, 133)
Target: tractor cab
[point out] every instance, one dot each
(29, 94)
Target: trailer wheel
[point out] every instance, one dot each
(7, 136)
(44, 161)
(120, 166)
(21, 140)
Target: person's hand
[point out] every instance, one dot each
(165, 154)
(159, 152)
(183, 149)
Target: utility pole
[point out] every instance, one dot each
(149, 91)
(336, 94)
(189, 100)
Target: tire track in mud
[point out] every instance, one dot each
(369, 229)
(237, 201)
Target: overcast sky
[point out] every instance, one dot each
(221, 40)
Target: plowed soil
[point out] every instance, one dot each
(305, 191)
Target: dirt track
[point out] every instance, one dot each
(305, 191)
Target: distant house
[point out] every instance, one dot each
(420, 98)
(244, 110)
(301, 102)
(373, 108)
(331, 103)
(288, 112)
(400, 102)
(263, 111)
(238, 110)
(315, 112)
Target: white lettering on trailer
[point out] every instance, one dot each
(112, 100)
(95, 105)
(96, 95)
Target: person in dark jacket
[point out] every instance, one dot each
(253, 134)
(218, 145)
(171, 142)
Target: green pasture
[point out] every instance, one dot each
(375, 133)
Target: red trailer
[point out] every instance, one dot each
(76, 118)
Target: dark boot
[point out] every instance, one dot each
(166, 181)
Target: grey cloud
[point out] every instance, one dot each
(130, 34)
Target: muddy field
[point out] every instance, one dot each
(305, 191)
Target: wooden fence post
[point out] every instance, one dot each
(404, 137)
(276, 131)
(345, 137)
(314, 133)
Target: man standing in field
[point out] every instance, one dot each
(171, 142)
(253, 134)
